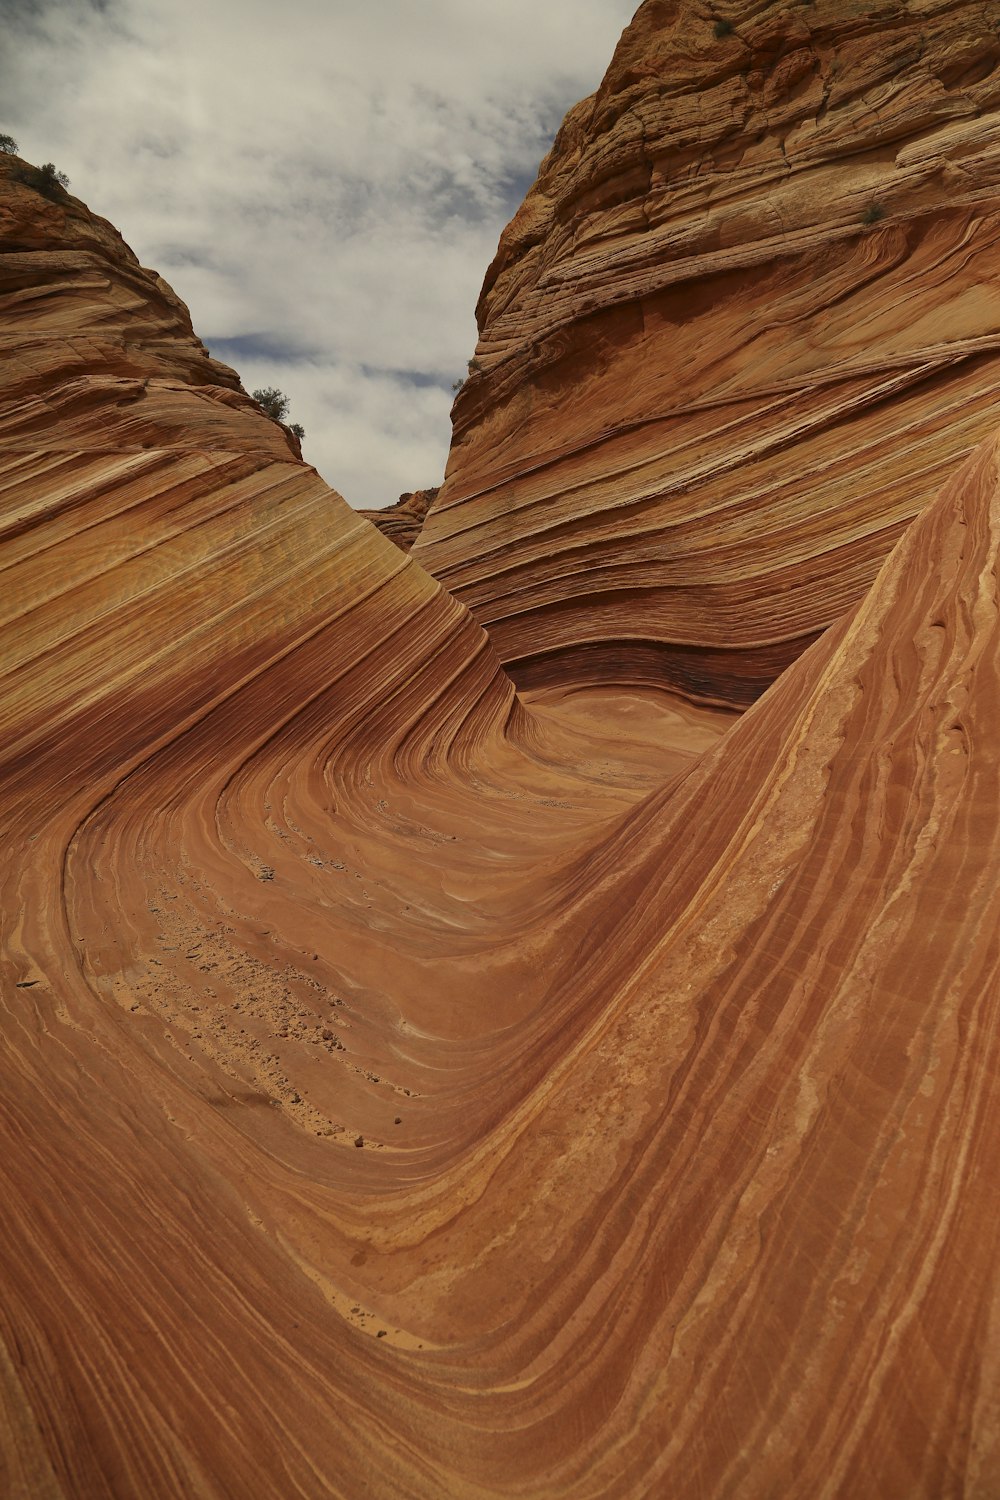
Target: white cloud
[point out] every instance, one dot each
(325, 180)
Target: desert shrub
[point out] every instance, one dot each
(272, 402)
(723, 28)
(475, 366)
(46, 179)
(51, 177)
(873, 213)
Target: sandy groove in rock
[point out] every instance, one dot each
(708, 396)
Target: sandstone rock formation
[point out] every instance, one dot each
(419, 1087)
(740, 331)
(401, 522)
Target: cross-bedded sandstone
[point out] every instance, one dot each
(418, 1086)
(739, 332)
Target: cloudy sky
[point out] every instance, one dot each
(322, 181)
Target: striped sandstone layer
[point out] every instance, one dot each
(402, 521)
(294, 768)
(740, 331)
(413, 1088)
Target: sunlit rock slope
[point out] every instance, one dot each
(413, 1087)
(739, 332)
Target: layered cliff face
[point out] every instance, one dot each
(416, 1086)
(401, 522)
(739, 333)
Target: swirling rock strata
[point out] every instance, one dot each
(272, 818)
(416, 1088)
(739, 333)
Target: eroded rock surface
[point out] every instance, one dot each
(417, 1087)
(402, 521)
(740, 331)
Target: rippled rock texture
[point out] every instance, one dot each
(414, 1086)
(739, 333)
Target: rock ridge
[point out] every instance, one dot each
(747, 310)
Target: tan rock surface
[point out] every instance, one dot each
(402, 521)
(709, 394)
(414, 1088)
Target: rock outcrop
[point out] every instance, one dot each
(275, 844)
(740, 331)
(417, 1086)
(402, 521)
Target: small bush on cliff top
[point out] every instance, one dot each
(475, 368)
(51, 177)
(47, 179)
(272, 401)
(275, 403)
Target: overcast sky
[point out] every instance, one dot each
(322, 181)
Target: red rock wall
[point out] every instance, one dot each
(413, 1087)
(711, 395)
(274, 829)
